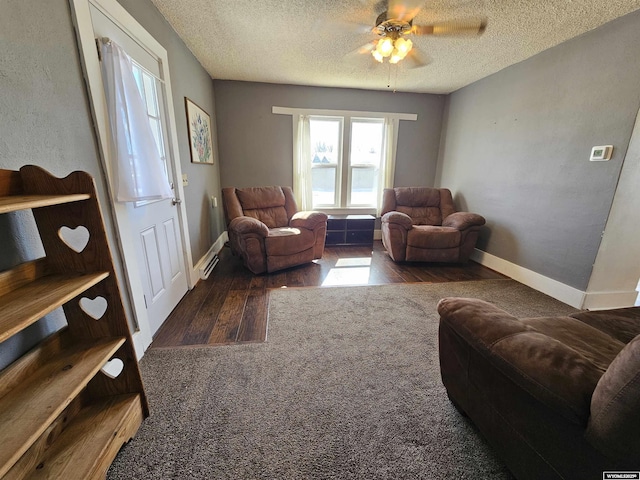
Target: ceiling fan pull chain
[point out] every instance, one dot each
(395, 81)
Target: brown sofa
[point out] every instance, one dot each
(267, 231)
(420, 224)
(557, 397)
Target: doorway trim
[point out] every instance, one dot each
(81, 17)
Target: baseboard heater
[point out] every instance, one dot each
(207, 267)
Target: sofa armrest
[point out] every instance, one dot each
(244, 225)
(615, 407)
(308, 219)
(463, 220)
(398, 218)
(548, 370)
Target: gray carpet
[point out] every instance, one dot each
(347, 386)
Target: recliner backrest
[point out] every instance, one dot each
(425, 206)
(273, 206)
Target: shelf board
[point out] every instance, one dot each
(28, 409)
(13, 203)
(23, 306)
(87, 446)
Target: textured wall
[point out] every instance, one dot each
(516, 149)
(256, 145)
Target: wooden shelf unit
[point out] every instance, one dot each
(62, 415)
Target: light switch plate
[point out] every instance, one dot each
(601, 153)
(185, 180)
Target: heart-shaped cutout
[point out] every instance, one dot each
(74, 238)
(113, 368)
(94, 308)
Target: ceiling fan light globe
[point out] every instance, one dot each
(396, 56)
(385, 46)
(377, 55)
(403, 46)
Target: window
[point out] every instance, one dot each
(342, 160)
(354, 182)
(149, 90)
(147, 85)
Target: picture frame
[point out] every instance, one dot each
(200, 138)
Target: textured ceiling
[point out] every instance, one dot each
(310, 42)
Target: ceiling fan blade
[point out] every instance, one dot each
(404, 9)
(347, 26)
(416, 59)
(470, 26)
(328, 26)
(366, 48)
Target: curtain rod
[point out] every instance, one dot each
(107, 41)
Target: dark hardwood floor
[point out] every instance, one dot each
(231, 305)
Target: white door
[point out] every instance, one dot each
(155, 226)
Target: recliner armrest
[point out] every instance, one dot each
(244, 225)
(308, 219)
(398, 218)
(463, 220)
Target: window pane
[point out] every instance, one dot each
(150, 94)
(324, 136)
(323, 186)
(366, 142)
(147, 87)
(364, 186)
(137, 74)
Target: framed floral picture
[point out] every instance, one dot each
(200, 138)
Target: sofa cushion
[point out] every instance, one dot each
(620, 323)
(266, 204)
(422, 215)
(417, 197)
(595, 345)
(421, 204)
(428, 236)
(288, 241)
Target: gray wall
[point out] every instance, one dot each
(516, 149)
(256, 145)
(46, 121)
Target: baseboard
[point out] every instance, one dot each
(213, 250)
(140, 343)
(558, 290)
(606, 300)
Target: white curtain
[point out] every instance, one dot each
(138, 169)
(302, 163)
(388, 167)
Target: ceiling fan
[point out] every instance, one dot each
(395, 26)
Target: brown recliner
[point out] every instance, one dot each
(420, 224)
(267, 231)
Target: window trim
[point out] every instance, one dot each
(341, 113)
(346, 114)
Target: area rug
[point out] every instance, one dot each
(347, 386)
